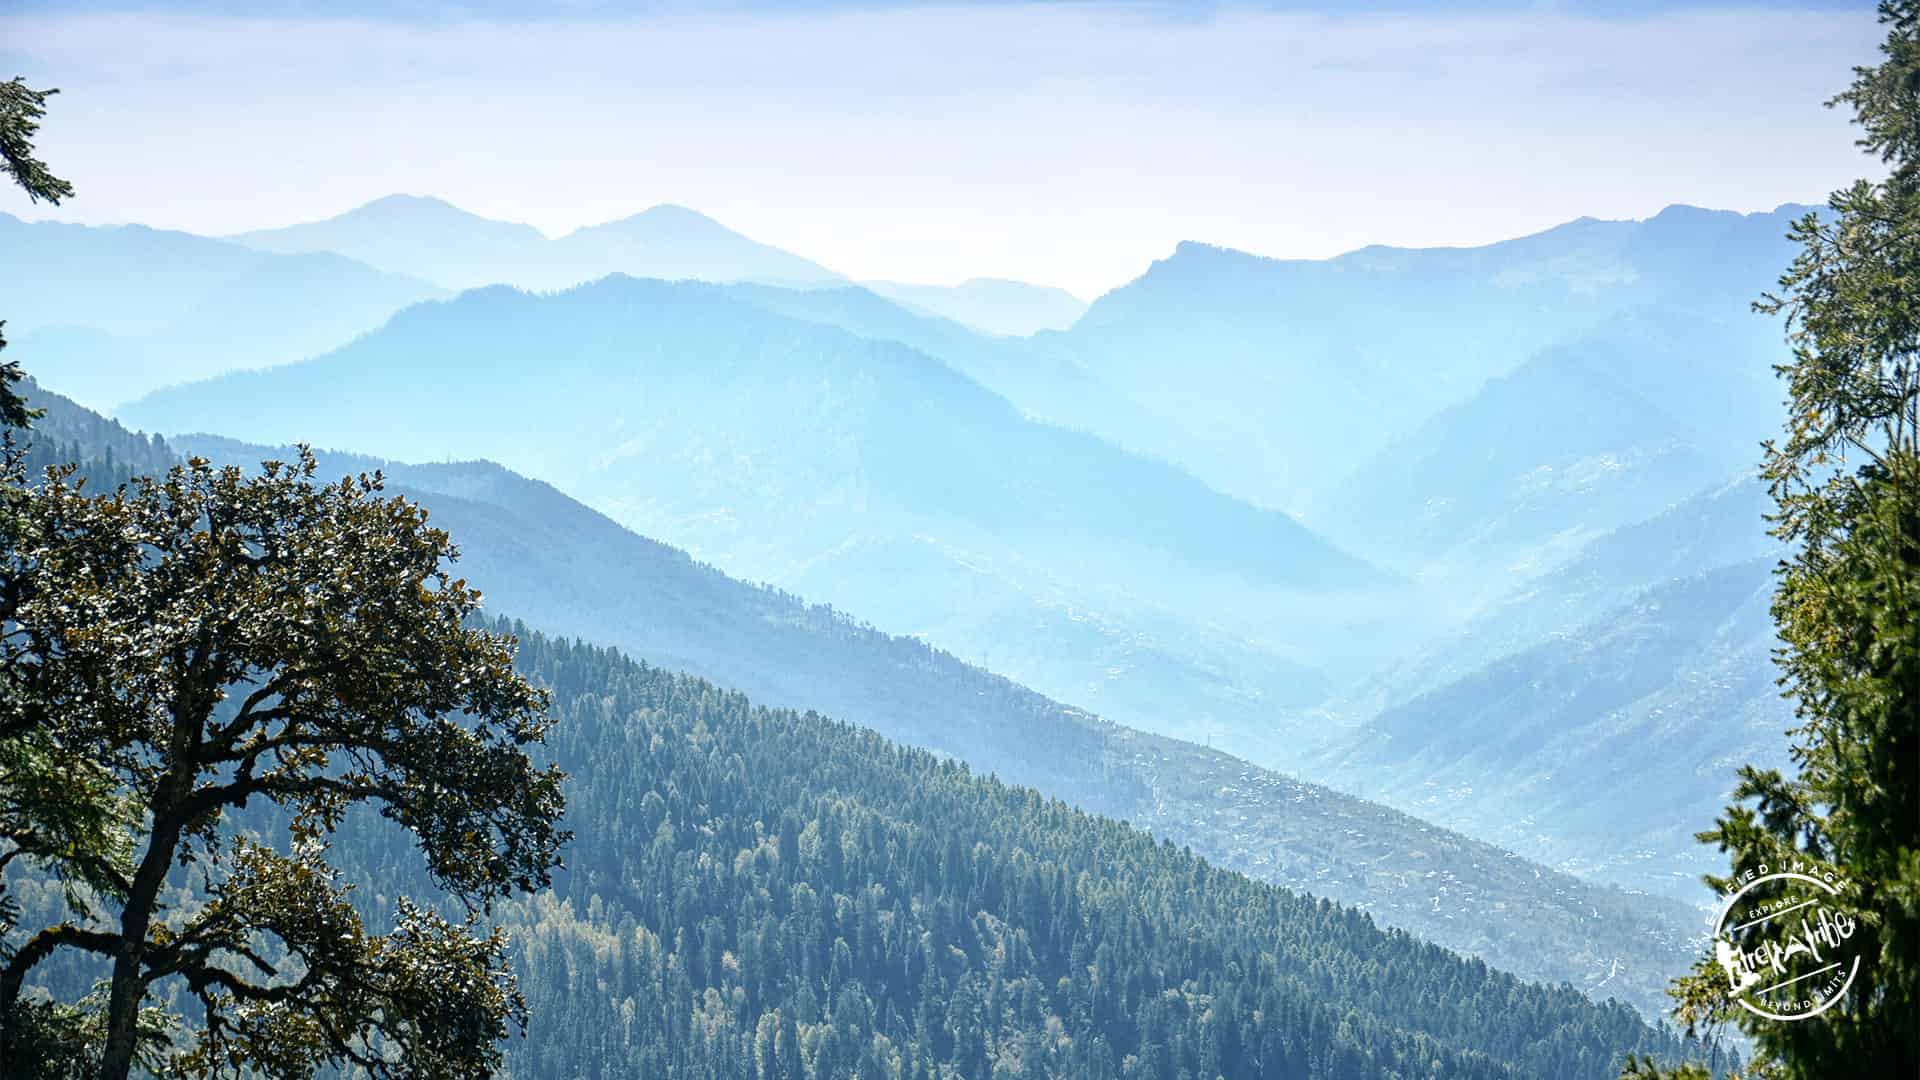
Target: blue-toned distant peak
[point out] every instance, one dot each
(989, 305)
(1195, 258)
(986, 284)
(431, 238)
(125, 309)
(672, 241)
(1199, 263)
(414, 203)
(621, 301)
(406, 211)
(1687, 213)
(403, 206)
(662, 219)
(418, 235)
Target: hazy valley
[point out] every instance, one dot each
(1479, 565)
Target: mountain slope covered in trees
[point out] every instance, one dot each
(567, 569)
(607, 956)
(757, 893)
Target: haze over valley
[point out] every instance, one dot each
(947, 542)
(1219, 551)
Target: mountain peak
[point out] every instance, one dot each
(671, 241)
(403, 209)
(665, 219)
(674, 212)
(1686, 212)
(1199, 249)
(400, 201)
(382, 223)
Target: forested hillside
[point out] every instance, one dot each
(840, 905)
(1123, 575)
(569, 570)
(759, 893)
(765, 893)
(65, 433)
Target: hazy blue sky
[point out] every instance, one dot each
(1070, 144)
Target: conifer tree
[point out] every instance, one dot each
(1846, 480)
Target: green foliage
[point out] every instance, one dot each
(187, 646)
(20, 111)
(564, 568)
(1639, 1068)
(13, 408)
(762, 893)
(1846, 478)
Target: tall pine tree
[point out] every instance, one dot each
(1846, 479)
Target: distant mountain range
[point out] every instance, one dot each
(1609, 428)
(107, 314)
(436, 241)
(527, 543)
(1367, 518)
(1275, 379)
(1643, 664)
(428, 238)
(568, 570)
(796, 452)
(990, 305)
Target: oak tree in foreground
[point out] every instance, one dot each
(209, 641)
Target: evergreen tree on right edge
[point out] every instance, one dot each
(1845, 477)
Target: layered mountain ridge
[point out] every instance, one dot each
(566, 569)
(790, 451)
(106, 314)
(1150, 512)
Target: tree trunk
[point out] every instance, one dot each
(123, 1013)
(128, 987)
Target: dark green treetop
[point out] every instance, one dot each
(187, 646)
(20, 111)
(1846, 481)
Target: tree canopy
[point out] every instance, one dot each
(1846, 480)
(21, 109)
(759, 893)
(184, 647)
